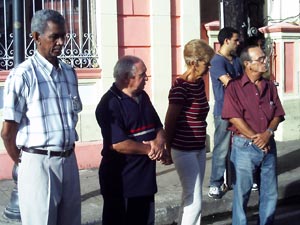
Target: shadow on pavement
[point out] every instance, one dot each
(91, 194)
(291, 190)
(289, 161)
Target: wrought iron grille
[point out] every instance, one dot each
(80, 48)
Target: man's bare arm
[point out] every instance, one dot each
(153, 148)
(242, 127)
(225, 79)
(132, 147)
(9, 133)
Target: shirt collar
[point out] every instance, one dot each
(45, 64)
(121, 95)
(245, 80)
(116, 91)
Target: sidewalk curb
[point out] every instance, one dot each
(167, 200)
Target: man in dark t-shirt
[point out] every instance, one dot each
(224, 66)
(133, 139)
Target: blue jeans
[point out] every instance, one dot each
(221, 147)
(246, 158)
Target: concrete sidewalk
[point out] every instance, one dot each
(169, 190)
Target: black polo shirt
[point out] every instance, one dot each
(121, 118)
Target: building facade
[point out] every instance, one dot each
(101, 31)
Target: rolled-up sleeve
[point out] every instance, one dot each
(232, 107)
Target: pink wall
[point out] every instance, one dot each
(289, 52)
(134, 32)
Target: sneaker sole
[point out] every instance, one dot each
(214, 196)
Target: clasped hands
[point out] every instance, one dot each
(261, 140)
(158, 151)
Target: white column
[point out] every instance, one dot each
(161, 58)
(107, 40)
(212, 30)
(190, 25)
(190, 20)
(282, 10)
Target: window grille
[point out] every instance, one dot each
(80, 49)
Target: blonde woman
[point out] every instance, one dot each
(185, 125)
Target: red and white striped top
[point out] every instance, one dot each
(190, 133)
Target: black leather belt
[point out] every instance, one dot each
(65, 153)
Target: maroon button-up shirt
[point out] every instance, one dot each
(243, 100)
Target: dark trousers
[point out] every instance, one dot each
(128, 211)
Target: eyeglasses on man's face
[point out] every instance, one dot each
(262, 59)
(143, 75)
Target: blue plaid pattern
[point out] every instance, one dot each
(45, 101)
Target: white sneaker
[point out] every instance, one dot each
(254, 187)
(214, 192)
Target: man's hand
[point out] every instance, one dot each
(261, 140)
(157, 149)
(157, 145)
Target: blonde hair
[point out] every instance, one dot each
(197, 50)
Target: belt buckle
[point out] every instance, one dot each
(66, 153)
(62, 154)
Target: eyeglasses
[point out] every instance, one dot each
(262, 59)
(143, 75)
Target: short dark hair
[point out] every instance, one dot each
(253, 40)
(40, 19)
(226, 32)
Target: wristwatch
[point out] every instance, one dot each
(271, 131)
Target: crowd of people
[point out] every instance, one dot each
(41, 109)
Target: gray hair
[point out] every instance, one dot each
(41, 17)
(244, 56)
(125, 67)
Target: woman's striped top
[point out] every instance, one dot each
(191, 126)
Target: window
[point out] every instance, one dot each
(80, 50)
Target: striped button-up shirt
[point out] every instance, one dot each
(44, 100)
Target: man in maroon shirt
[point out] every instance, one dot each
(253, 108)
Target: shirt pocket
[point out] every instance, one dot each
(269, 110)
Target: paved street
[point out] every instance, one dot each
(288, 212)
(169, 190)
